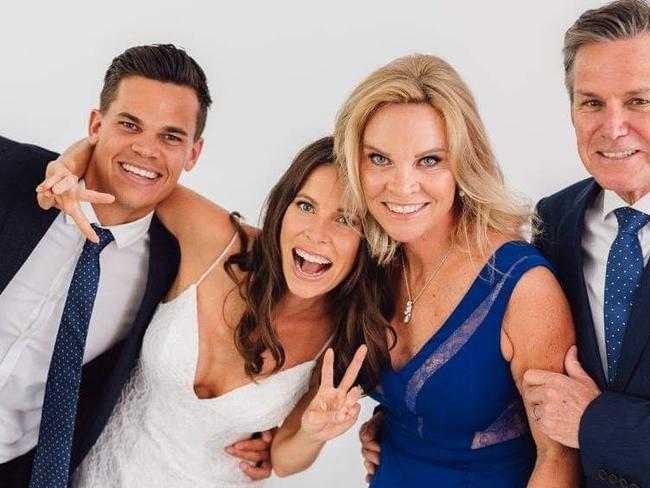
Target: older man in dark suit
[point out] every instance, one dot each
(596, 233)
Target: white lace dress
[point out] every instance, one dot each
(162, 435)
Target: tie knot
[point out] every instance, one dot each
(630, 221)
(105, 238)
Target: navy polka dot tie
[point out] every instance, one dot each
(52, 461)
(622, 279)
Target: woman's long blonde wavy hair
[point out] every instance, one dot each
(485, 203)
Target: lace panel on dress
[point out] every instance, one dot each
(510, 425)
(445, 351)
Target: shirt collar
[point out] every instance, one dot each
(124, 234)
(611, 201)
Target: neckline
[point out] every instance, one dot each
(248, 384)
(452, 315)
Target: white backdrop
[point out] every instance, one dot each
(278, 71)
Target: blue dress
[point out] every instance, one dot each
(453, 416)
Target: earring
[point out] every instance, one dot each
(461, 193)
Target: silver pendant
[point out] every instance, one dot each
(408, 312)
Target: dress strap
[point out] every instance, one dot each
(216, 261)
(324, 348)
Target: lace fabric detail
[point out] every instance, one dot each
(161, 434)
(445, 351)
(511, 424)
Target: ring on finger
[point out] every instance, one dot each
(537, 417)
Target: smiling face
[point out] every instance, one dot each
(611, 114)
(405, 172)
(144, 140)
(318, 242)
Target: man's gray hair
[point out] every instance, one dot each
(622, 19)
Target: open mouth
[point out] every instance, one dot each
(401, 209)
(139, 172)
(310, 264)
(618, 154)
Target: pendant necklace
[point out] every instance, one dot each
(410, 303)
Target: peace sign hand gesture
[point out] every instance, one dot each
(334, 410)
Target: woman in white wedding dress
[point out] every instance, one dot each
(232, 349)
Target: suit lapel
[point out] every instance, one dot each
(636, 334)
(571, 230)
(24, 226)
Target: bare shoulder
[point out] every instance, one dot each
(538, 321)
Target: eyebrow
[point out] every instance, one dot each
(170, 129)
(417, 156)
(313, 202)
(627, 94)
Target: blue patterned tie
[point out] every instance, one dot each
(622, 279)
(52, 461)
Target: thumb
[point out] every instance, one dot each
(572, 365)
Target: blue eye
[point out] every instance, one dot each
(378, 159)
(305, 206)
(348, 220)
(129, 125)
(639, 101)
(429, 161)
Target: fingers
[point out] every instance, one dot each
(254, 456)
(351, 373)
(82, 222)
(254, 472)
(370, 457)
(572, 365)
(95, 197)
(258, 444)
(350, 403)
(327, 370)
(537, 377)
(59, 176)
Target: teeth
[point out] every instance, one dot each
(312, 258)
(404, 209)
(139, 171)
(618, 155)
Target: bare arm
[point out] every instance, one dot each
(324, 413)
(538, 330)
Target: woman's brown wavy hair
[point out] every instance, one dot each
(357, 306)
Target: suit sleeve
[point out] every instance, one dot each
(541, 229)
(22, 167)
(615, 437)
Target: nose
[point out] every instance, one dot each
(145, 146)
(318, 230)
(615, 124)
(403, 181)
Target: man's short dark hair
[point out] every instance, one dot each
(160, 62)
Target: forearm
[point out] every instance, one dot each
(294, 453)
(557, 469)
(77, 157)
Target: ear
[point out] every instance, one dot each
(94, 125)
(195, 152)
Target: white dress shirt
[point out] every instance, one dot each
(31, 307)
(600, 230)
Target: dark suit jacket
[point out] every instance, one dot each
(22, 225)
(615, 429)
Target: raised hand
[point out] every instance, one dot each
(334, 409)
(61, 188)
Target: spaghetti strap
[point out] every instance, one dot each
(216, 261)
(324, 348)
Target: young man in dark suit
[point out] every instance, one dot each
(596, 234)
(66, 301)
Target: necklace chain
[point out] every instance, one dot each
(407, 314)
